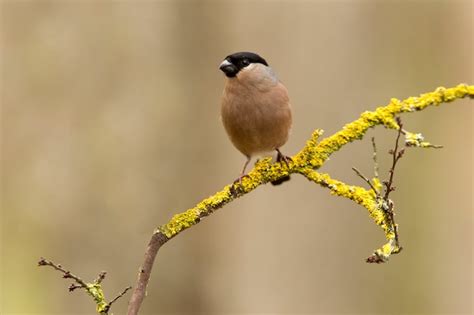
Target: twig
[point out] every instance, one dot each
(365, 179)
(435, 146)
(396, 155)
(109, 305)
(388, 204)
(391, 213)
(385, 203)
(374, 157)
(93, 289)
(376, 170)
(413, 140)
(100, 277)
(66, 273)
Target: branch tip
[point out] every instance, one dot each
(93, 289)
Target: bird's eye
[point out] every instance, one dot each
(245, 62)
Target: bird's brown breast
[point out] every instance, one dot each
(256, 115)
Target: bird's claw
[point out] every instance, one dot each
(238, 180)
(236, 187)
(284, 158)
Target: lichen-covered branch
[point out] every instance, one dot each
(313, 156)
(306, 162)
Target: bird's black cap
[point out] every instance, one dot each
(232, 64)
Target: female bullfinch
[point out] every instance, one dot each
(255, 111)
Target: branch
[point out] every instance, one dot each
(384, 202)
(396, 155)
(365, 179)
(157, 240)
(306, 162)
(374, 157)
(93, 289)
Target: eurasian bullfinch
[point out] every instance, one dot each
(255, 110)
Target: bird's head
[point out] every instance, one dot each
(236, 62)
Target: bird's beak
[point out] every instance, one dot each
(228, 68)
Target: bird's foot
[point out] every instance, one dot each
(284, 158)
(236, 187)
(238, 180)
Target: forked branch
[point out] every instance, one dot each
(306, 162)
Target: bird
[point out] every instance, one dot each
(255, 108)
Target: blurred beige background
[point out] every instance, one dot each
(110, 125)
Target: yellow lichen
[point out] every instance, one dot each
(180, 222)
(95, 290)
(377, 184)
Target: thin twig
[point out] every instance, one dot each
(418, 142)
(67, 273)
(73, 287)
(391, 213)
(365, 179)
(387, 204)
(100, 277)
(396, 155)
(109, 305)
(374, 156)
(376, 169)
(435, 146)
